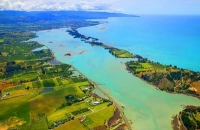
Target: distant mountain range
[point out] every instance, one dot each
(11, 17)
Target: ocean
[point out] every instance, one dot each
(165, 39)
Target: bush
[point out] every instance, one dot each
(82, 110)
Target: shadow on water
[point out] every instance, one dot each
(46, 90)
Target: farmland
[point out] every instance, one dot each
(121, 53)
(35, 94)
(166, 77)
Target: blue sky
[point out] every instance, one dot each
(125, 6)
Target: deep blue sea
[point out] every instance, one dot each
(167, 39)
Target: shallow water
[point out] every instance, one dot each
(147, 107)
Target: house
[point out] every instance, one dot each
(81, 119)
(95, 102)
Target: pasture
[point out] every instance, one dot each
(98, 118)
(25, 74)
(121, 53)
(72, 125)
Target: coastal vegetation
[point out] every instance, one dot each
(166, 77)
(189, 118)
(119, 53)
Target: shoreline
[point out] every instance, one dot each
(127, 68)
(126, 120)
(95, 42)
(177, 123)
(137, 77)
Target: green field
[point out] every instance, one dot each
(165, 77)
(72, 125)
(1, 40)
(98, 118)
(121, 53)
(35, 94)
(38, 125)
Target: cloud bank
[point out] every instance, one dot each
(38, 5)
(125, 6)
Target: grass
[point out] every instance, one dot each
(49, 102)
(14, 88)
(98, 118)
(197, 116)
(72, 125)
(59, 81)
(61, 114)
(42, 77)
(36, 84)
(1, 40)
(146, 65)
(141, 70)
(18, 112)
(48, 83)
(121, 53)
(39, 125)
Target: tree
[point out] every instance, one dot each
(1, 94)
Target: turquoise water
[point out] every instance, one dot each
(167, 39)
(147, 107)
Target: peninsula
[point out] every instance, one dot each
(165, 77)
(119, 53)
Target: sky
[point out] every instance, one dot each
(123, 6)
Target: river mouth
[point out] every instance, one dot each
(144, 104)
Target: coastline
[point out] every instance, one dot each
(119, 53)
(61, 54)
(177, 123)
(133, 99)
(127, 122)
(127, 68)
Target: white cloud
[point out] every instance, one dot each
(58, 5)
(125, 6)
